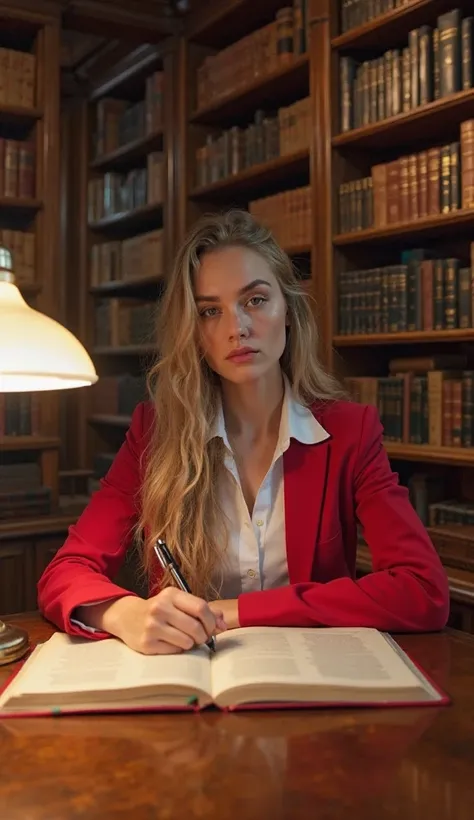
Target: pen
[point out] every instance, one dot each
(167, 562)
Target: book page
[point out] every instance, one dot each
(334, 655)
(71, 664)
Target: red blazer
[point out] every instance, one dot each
(329, 487)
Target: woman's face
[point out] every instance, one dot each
(242, 314)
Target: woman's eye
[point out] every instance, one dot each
(208, 312)
(255, 301)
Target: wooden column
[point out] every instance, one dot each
(320, 91)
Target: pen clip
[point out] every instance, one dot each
(160, 554)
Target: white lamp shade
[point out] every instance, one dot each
(36, 352)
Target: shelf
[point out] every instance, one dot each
(127, 155)
(17, 114)
(444, 224)
(110, 420)
(130, 350)
(148, 217)
(225, 22)
(297, 250)
(390, 29)
(41, 525)
(438, 120)
(274, 90)
(128, 285)
(461, 582)
(251, 179)
(416, 336)
(127, 79)
(459, 456)
(21, 206)
(12, 443)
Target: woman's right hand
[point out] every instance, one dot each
(169, 622)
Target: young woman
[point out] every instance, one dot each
(253, 468)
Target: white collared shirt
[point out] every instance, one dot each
(256, 550)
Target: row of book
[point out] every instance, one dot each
(19, 414)
(266, 138)
(451, 511)
(123, 322)
(115, 193)
(17, 168)
(435, 407)
(253, 57)
(119, 122)
(21, 490)
(287, 215)
(127, 260)
(355, 13)
(22, 246)
(118, 395)
(17, 78)
(436, 62)
(439, 180)
(420, 294)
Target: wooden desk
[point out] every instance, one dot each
(359, 763)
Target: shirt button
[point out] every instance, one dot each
(251, 573)
(259, 522)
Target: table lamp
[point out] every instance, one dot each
(36, 353)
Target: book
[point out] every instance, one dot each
(253, 667)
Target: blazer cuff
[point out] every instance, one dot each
(95, 593)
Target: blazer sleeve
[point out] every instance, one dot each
(82, 570)
(407, 591)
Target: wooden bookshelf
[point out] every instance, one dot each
(127, 286)
(444, 235)
(29, 120)
(19, 114)
(392, 27)
(110, 421)
(145, 217)
(449, 225)
(141, 79)
(127, 155)
(454, 456)
(410, 337)
(435, 121)
(275, 89)
(257, 173)
(25, 443)
(251, 179)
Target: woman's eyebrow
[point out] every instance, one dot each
(241, 291)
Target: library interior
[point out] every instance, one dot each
(347, 128)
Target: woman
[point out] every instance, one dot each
(252, 467)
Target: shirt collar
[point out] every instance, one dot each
(296, 422)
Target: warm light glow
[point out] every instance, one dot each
(36, 352)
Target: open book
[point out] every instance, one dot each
(253, 667)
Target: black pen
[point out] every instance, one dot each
(167, 562)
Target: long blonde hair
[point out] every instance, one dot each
(179, 495)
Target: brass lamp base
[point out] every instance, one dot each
(14, 643)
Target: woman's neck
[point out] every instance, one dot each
(253, 410)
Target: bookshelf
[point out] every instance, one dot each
(29, 227)
(245, 135)
(398, 262)
(126, 222)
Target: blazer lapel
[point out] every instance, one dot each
(306, 468)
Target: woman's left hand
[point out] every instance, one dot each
(229, 609)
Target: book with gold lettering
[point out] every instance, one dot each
(253, 668)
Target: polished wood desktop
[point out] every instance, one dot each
(371, 763)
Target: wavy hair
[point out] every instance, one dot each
(179, 494)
